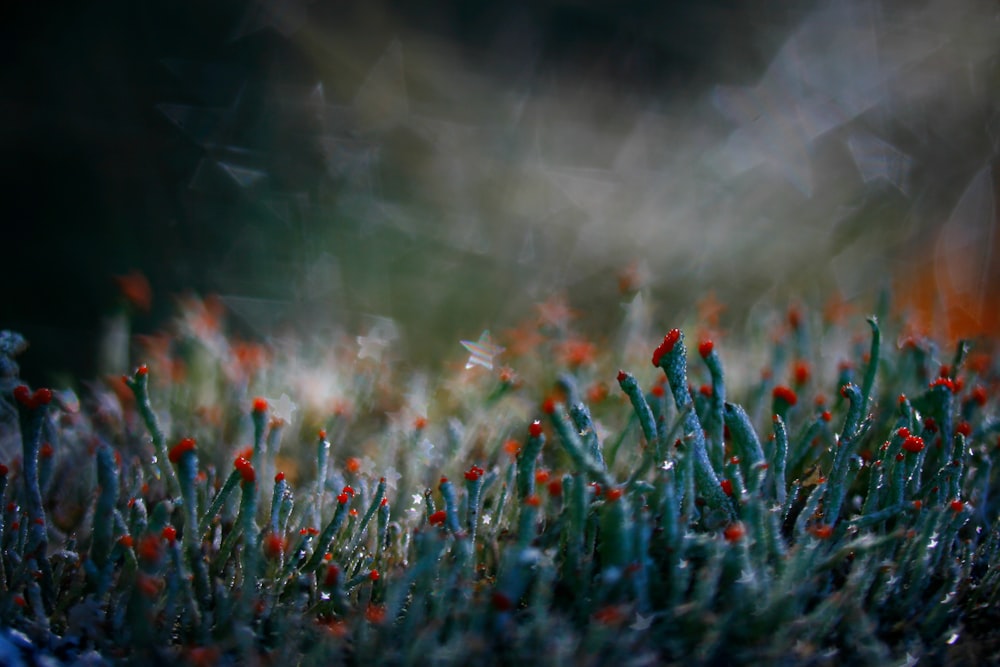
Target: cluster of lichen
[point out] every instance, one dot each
(656, 525)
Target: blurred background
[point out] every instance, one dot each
(324, 164)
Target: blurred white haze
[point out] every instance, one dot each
(806, 149)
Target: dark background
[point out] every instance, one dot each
(115, 116)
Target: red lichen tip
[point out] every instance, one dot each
(613, 494)
(705, 348)
(943, 382)
(24, 396)
(956, 506)
(437, 519)
(826, 416)
(142, 370)
(474, 473)
(343, 498)
(549, 406)
(783, 393)
(667, 346)
(532, 501)
(420, 423)
(727, 486)
(260, 405)
(245, 469)
(178, 450)
(280, 477)
(374, 575)
(734, 532)
(622, 376)
(964, 428)
(821, 531)
(332, 576)
(535, 429)
(46, 451)
(442, 481)
(322, 434)
(3, 470)
(169, 534)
